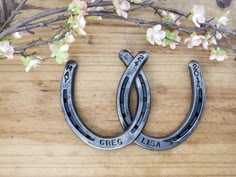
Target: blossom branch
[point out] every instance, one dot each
(207, 33)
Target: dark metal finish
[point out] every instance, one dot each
(187, 126)
(223, 3)
(80, 129)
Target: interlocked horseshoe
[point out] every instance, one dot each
(80, 129)
(187, 126)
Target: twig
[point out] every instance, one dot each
(178, 12)
(38, 42)
(13, 14)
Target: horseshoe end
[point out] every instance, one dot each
(125, 56)
(72, 63)
(192, 63)
(144, 54)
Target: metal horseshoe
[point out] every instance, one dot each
(81, 130)
(188, 125)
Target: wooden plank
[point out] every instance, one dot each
(36, 141)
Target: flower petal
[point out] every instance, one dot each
(173, 45)
(64, 48)
(32, 64)
(125, 5)
(205, 44)
(195, 21)
(162, 34)
(212, 56)
(157, 28)
(220, 57)
(218, 35)
(158, 41)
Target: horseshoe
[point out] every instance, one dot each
(81, 130)
(188, 125)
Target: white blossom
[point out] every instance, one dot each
(155, 35)
(218, 54)
(80, 23)
(64, 47)
(223, 20)
(17, 35)
(194, 40)
(174, 43)
(69, 38)
(218, 35)
(122, 6)
(6, 49)
(198, 15)
(171, 16)
(33, 63)
(209, 40)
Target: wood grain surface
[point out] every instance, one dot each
(35, 140)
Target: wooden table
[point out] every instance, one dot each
(35, 140)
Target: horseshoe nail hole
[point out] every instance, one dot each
(122, 96)
(184, 132)
(140, 118)
(123, 115)
(125, 82)
(67, 107)
(89, 137)
(134, 129)
(82, 132)
(174, 139)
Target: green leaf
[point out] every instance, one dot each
(71, 20)
(8, 38)
(167, 41)
(75, 8)
(61, 57)
(193, 34)
(190, 17)
(221, 51)
(170, 35)
(25, 60)
(1, 55)
(167, 18)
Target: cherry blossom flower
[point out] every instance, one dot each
(218, 54)
(17, 35)
(33, 63)
(6, 50)
(209, 40)
(79, 7)
(168, 16)
(64, 47)
(155, 35)
(122, 6)
(218, 35)
(77, 20)
(198, 15)
(194, 40)
(176, 41)
(223, 20)
(172, 39)
(80, 24)
(59, 52)
(69, 38)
